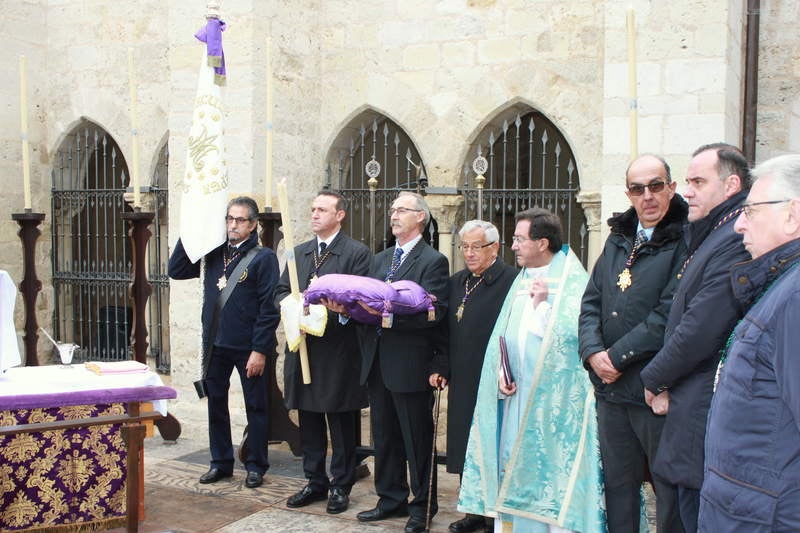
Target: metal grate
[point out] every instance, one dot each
(91, 251)
(529, 164)
(400, 169)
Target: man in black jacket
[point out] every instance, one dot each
(397, 363)
(621, 327)
(334, 398)
(679, 379)
(244, 335)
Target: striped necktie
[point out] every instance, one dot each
(398, 253)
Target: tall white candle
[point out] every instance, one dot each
(268, 157)
(23, 111)
(137, 201)
(634, 103)
(291, 266)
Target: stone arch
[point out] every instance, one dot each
(91, 256)
(371, 136)
(530, 163)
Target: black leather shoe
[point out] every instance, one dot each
(253, 480)
(469, 523)
(305, 496)
(373, 515)
(213, 475)
(337, 501)
(415, 525)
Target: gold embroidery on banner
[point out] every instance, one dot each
(200, 146)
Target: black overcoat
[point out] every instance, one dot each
(702, 316)
(630, 324)
(467, 346)
(334, 358)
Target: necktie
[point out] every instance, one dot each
(641, 238)
(398, 253)
(322, 247)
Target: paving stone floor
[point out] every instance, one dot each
(176, 502)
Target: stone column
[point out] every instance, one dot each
(590, 202)
(445, 208)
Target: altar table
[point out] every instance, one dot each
(68, 437)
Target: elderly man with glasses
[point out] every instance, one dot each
(623, 316)
(475, 294)
(753, 440)
(396, 366)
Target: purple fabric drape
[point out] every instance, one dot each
(211, 34)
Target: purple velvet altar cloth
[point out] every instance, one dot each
(130, 394)
(66, 480)
(401, 297)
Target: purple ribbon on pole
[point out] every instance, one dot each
(211, 34)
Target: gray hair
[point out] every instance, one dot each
(785, 173)
(420, 204)
(247, 202)
(489, 229)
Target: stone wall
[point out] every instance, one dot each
(445, 71)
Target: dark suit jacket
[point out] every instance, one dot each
(702, 317)
(405, 351)
(249, 318)
(334, 358)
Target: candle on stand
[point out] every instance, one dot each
(134, 170)
(634, 103)
(268, 157)
(23, 111)
(291, 266)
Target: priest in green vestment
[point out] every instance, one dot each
(532, 460)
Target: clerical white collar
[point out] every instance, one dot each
(536, 272)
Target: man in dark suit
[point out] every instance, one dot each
(244, 335)
(476, 295)
(679, 380)
(396, 366)
(335, 393)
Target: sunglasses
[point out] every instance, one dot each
(637, 189)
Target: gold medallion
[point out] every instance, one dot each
(624, 280)
(221, 282)
(460, 312)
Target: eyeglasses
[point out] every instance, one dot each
(402, 210)
(748, 208)
(238, 220)
(637, 189)
(474, 247)
(518, 239)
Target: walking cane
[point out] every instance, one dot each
(433, 455)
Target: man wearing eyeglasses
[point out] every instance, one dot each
(679, 379)
(333, 401)
(623, 315)
(240, 335)
(531, 460)
(397, 364)
(476, 294)
(753, 441)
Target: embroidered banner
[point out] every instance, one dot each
(205, 182)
